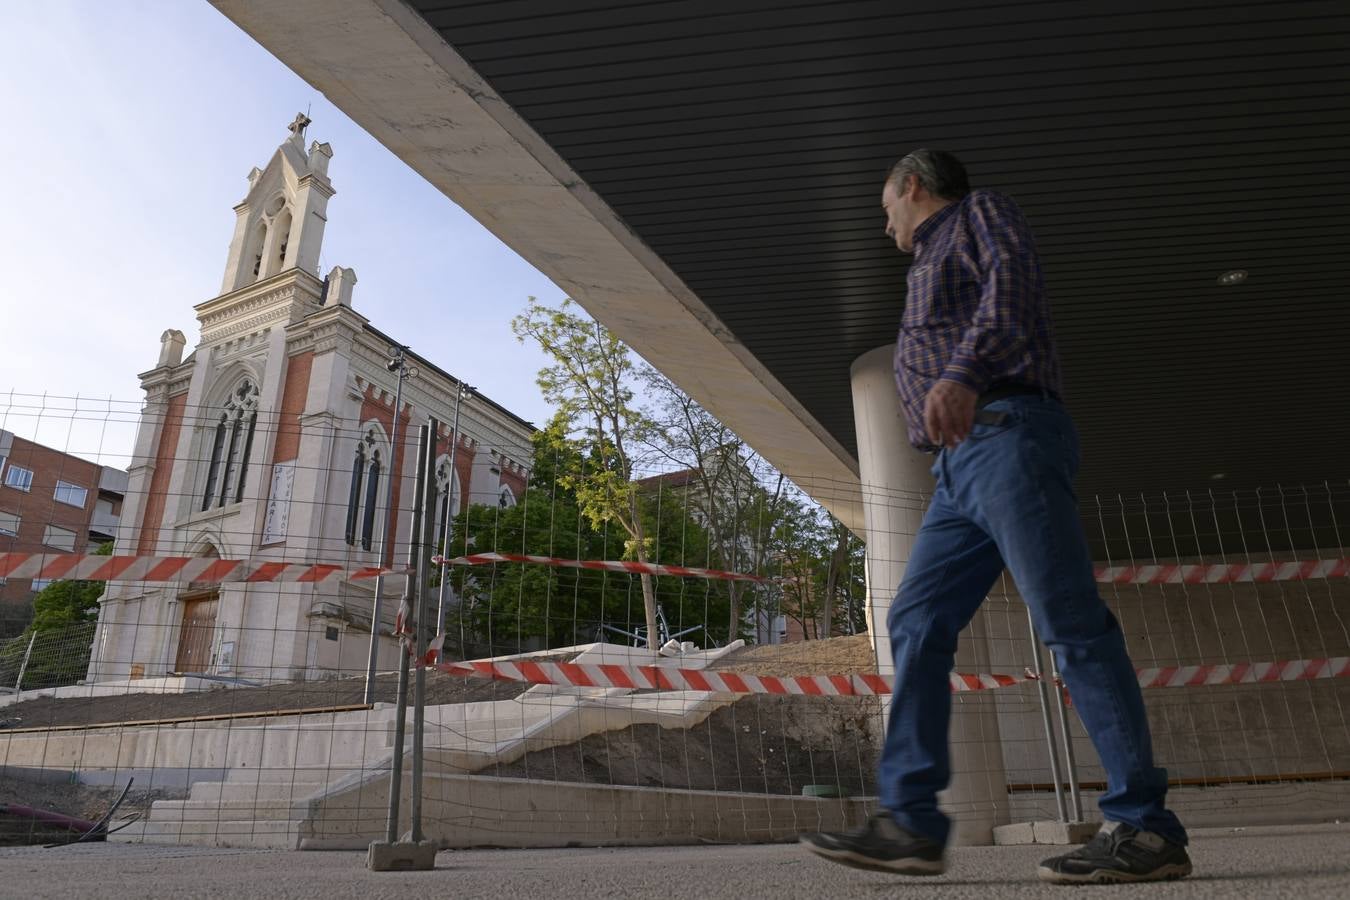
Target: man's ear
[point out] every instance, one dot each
(913, 189)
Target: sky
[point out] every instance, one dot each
(127, 130)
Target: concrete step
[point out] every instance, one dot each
(262, 809)
(218, 791)
(267, 834)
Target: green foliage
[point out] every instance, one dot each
(61, 634)
(586, 500)
(590, 383)
(510, 606)
(65, 603)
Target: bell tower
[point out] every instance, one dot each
(281, 219)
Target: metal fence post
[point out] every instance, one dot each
(427, 481)
(461, 393)
(398, 363)
(409, 594)
(23, 666)
(1043, 693)
(1070, 763)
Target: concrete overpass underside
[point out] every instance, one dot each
(704, 178)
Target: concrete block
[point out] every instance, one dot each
(1065, 832)
(1045, 833)
(402, 856)
(1016, 833)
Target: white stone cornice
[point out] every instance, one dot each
(293, 284)
(334, 326)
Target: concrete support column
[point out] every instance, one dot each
(896, 486)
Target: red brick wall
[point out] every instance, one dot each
(37, 507)
(294, 394)
(159, 480)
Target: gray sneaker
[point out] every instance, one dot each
(879, 846)
(1118, 854)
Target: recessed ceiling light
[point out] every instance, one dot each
(1237, 276)
(1218, 476)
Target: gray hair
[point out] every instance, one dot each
(939, 172)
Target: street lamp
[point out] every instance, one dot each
(397, 364)
(462, 392)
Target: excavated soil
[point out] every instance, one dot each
(851, 655)
(81, 801)
(760, 743)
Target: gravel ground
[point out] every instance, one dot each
(46, 712)
(1296, 862)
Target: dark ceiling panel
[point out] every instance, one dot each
(1152, 146)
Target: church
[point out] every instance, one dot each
(274, 438)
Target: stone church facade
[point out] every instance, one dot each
(272, 440)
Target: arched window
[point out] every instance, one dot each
(354, 495)
(363, 496)
(447, 496)
(259, 243)
(231, 447)
(283, 226)
(506, 498)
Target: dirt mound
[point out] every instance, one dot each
(81, 801)
(759, 744)
(851, 655)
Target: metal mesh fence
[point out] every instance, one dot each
(221, 668)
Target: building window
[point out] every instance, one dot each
(231, 447)
(9, 523)
(40, 583)
(506, 498)
(372, 501)
(354, 492)
(447, 497)
(19, 478)
(363, 496)
(71, 494)
(60, 538)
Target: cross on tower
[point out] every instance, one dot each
(298, 127)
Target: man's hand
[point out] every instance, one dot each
(948, 413)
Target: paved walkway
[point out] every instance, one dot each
(1297, 862)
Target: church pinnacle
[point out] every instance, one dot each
(297, 127)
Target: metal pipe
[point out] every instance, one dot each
(398, 364)
(460, 393)
(1043, 693)
(401, 702)
(1071, 764)
(426, 539)
(23, 667)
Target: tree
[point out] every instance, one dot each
(729, 494)
(60, 634)
(64, 603)
(590, 384)
(507, 604)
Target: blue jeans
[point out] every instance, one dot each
(1005, 496)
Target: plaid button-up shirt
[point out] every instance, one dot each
(976, 311)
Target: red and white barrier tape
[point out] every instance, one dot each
(674, 679)
(1224, 573)
(603, 565)
(86, 567)
(1246, 673)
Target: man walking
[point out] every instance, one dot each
(979, 383)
